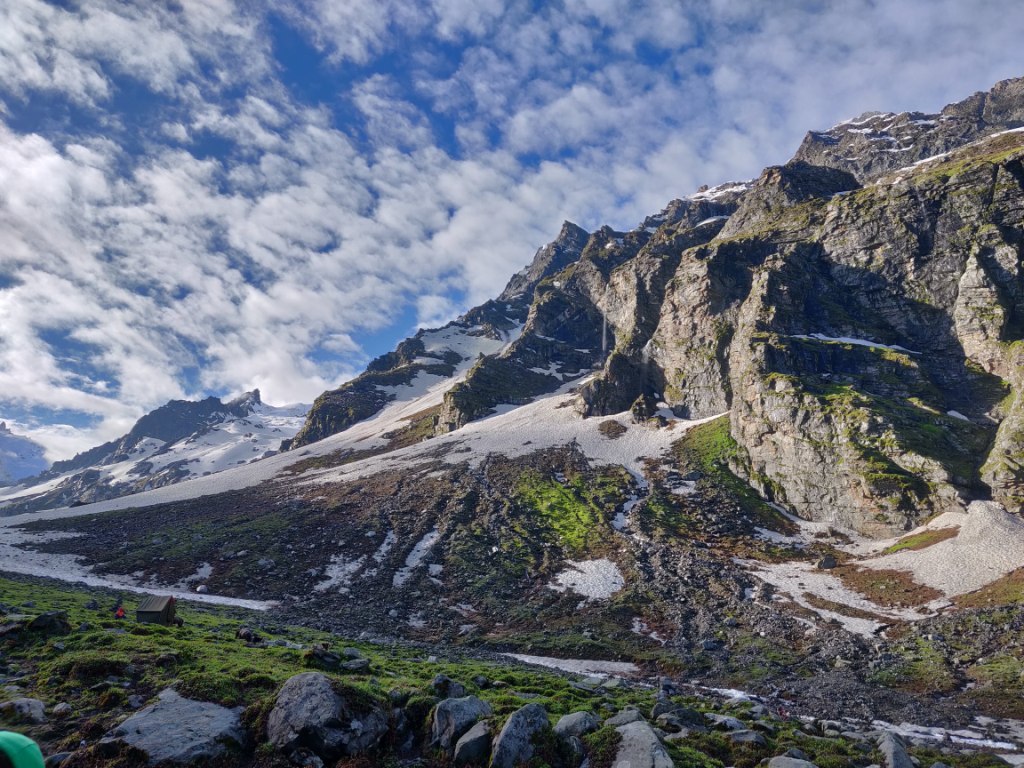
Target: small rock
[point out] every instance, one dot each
(446, 688)
(725, 722)
(246, 634)
(135, 701)
(61, 710)
(827, 562)
(627, 715)
(894, 751)
(56, 759)
(51, 623)
(790, 762)
(202, 589)
(748, 737)
(356, 665)
(324, 658)
(577, 724)
(352, 653)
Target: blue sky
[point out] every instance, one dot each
(203, 197)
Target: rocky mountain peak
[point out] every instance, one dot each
(782, 186)
(550, 259)
(245, 403)
(878, 142)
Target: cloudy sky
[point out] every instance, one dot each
(202, 197)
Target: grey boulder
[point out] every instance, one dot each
(514, 745)
(789, 762)
(748, 737)
(446, 688)
(627, 715)
(453, 717)
(577, 724)
(24, 710)
(309, 714)
(640, 748)
(474, 746)
(894, 751)
(725, 722)
(180, 730)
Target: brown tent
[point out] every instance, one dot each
(156, 609)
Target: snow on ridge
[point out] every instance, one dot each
(852, 340)
(722, 189)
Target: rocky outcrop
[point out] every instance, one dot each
(181, 731)
(309, 715)
(879, 142)
(549, 260)
(858, 325)
(782, 187)
(908, 417)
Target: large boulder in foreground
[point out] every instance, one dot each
(514, 745)
(640, 748)
(179, 730)
(453, 717)
(310, 715)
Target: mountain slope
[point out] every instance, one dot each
(19, 456)
(175, 442)
(751, 290)
(746, 434)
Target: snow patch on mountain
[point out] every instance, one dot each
(593, 579)
(416, 557)
(988, 546)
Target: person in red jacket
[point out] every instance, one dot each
(119, 613)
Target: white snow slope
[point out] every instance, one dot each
(226, 444)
